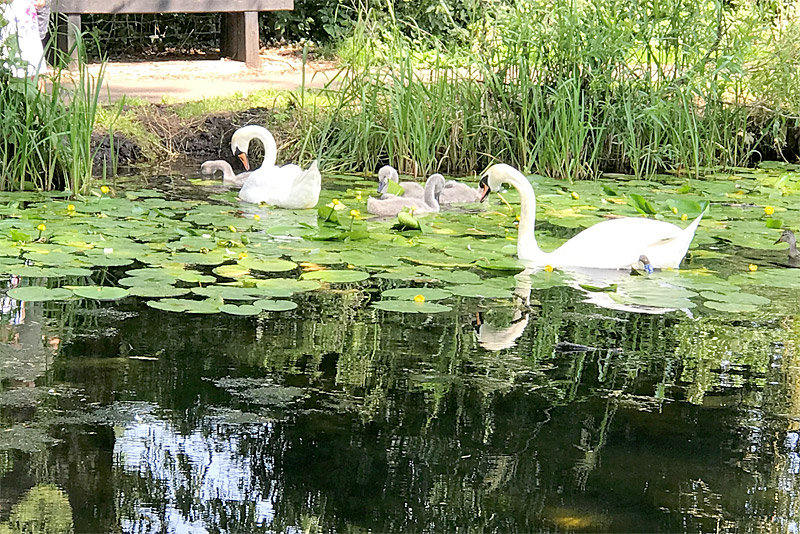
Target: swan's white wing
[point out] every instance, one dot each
(618, 243)
(305, 189)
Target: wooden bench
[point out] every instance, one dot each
(239, 39)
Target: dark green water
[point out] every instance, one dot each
(337, 417)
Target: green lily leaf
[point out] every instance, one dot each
(410, 293)
(641, 204)
(39, 293)
(336, 276)
(99, 292)
(409, 306)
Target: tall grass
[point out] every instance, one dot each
(45, 137)
(566, 88)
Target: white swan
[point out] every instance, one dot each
(612, 244)
(288, 186)
(392, 205)
(410, 189)
(210, 168)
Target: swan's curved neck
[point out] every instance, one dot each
(793, 252)
(270, 147)
(226, 169)
(430, 195)
(527, 247)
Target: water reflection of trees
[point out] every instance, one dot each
(405, 423)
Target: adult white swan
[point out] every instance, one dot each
(612, 244)
(288, 186)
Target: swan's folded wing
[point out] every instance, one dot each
(307, 186)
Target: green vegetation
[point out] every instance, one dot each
(45, 137)
(566, 89)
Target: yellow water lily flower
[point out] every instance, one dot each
(674, 210)
(752, 267)
(548, 268)
(71, 207)
(419, 298)
(575, 195)
(104, 189)
(256, 217)
(41, 227)
(684, 217)
(355, 213)
(232, 229)
(351, 266)
(242, 255)
(358, 195)
(335, 202)
(769, 210)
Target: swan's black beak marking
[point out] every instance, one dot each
(243, 157)
(483, 187)
(382, 186)
(477, 322)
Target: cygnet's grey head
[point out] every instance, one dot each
(436, 181)
(787, 236)
(386, 173)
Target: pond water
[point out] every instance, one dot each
(533, 409)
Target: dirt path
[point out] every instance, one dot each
(196, 79)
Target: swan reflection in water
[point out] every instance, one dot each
(494, 338)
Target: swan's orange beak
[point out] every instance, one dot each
(243, 158)
(483, 188)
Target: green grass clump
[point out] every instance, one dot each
(45, 137)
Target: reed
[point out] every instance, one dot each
(563, 88)
(45, 137)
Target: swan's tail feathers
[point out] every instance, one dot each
(695, 223)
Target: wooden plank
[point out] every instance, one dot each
(239, 39)
(169, 6)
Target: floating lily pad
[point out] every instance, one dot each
(275, 305)
(336, 276)
(739, 298)
(268, 265)
(226, 292)
(409, 293)
(157, 291)
(99, 292)
(39, 293)
(731, 307)
(243, 309)
(231, 271)
(409, 306)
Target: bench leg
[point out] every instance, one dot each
(67, 31)
(239, 37)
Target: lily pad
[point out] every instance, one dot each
(336, 276)
(157, 291)
(39, 293)
(409, 293)
(243, 309)
(275, 305)
(99, 292)
(731, 307)
(267, 265)
(409, 306)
